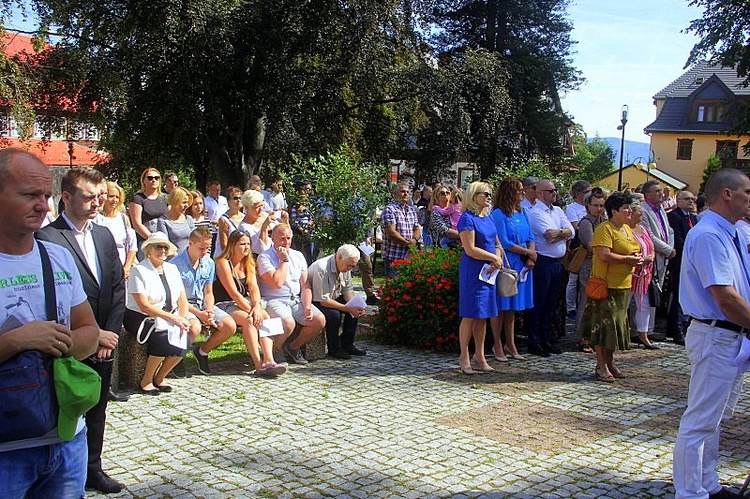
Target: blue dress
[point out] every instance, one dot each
(511, 230)
(476, 299)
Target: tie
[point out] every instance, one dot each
(742, 253)
(689, 219)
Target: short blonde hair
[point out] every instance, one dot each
(178, 195)
(471, 192)
(120, 193)
(251, 197)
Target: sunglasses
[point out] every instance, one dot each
(153, 177)
(485, 194)
(237, 198)
(443, 193)
(548, 190)
(162, 247)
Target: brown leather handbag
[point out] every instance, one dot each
(596, 289)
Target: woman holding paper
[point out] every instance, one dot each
(236, 292)
(482, 253)
(155, 291)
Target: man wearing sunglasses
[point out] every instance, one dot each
(552, 230)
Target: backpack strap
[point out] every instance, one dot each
(50, 297)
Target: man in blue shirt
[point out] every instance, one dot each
(714, 292)
(198, 274)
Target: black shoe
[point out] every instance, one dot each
(152, 392)
(572, 315)
(100, 481)
(352, 350)
(537, 350)
(178, 371)
(651, 347)
(679, 340)
(372, 300)
(113, 397)
(202, 361)
(724, 493)
(339, 354)
(551, 348)
(636, 340)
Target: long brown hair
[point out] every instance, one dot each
(505, 197)
(247, 262)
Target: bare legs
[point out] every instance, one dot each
(505, 322)
(156, 370)
(472, 328)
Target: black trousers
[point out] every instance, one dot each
(334, 320)
(97, 415)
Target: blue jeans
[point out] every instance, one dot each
(56, 470)
(390, 270)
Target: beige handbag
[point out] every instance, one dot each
(507, 280)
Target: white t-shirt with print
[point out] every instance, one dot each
(268, 261)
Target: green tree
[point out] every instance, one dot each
(594, 160)
(347, 192)
(712, 165)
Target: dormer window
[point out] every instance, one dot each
(699, 80)
(705, 111)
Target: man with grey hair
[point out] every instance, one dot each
(681, 219)
(575, 213)
(714, 292)
(401, 228)
(332, 289)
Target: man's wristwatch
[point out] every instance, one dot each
(284, 260)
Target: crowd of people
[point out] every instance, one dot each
(149, 269)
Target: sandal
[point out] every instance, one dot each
(585, 348)
(616, 372)
(603, 374)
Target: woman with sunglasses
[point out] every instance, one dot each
(438, 226)
(476, 298)
(230, 219)
(156, 296)
(147, 206)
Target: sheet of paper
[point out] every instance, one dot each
(366, 249)
(487, 274)
(742, 361)
(357, 302)
(271, 327)
(176, 337)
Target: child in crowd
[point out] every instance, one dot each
(453, 211)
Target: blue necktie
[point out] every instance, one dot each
(743, 253)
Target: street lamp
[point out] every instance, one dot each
(624, 121)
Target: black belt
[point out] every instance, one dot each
(731, 326)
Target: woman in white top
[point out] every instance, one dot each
(258, 224)
(230, 219)
(155, 291)
(113, 217)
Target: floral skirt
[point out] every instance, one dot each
(605, 322)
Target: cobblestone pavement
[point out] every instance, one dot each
(404, 423)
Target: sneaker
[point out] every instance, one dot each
(202, 361)
(279, 358)
(295, 355)
(372, 300)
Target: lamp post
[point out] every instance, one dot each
(624, 121)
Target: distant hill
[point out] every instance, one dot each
(633, 150)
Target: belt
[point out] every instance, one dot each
(731, 326)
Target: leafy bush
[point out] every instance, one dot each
(419, 307)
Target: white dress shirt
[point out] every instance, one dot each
(85, 241)
(542, 218)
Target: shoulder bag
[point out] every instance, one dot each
(507, 280)
(596, 289)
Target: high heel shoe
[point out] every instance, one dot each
(512, 355)
(486, 368)
(499, 358)
(466, 370)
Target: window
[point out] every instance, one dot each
(684, 149)
(727, 149)
(707, 112)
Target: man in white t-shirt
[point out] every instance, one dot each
(216, 204)
(40, 464)
(575, 213)
(283, 283)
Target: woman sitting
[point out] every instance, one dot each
(197, 210)
(155, 291)
(616, 253)
(176, 223)
(114, 218)
(236, 292)
(230, 219)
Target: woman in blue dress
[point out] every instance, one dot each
(517, 239)
(476, 298)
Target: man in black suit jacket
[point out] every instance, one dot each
(682, 220)
(95, 253)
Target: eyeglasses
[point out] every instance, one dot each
(687, 199)
(485, 194)
(161, 247)
(237, 198)
(443, 193)
(153, 177)
(548, 190)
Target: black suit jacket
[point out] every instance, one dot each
(679, 222)
(107, 298)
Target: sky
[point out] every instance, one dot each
(628, 51)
